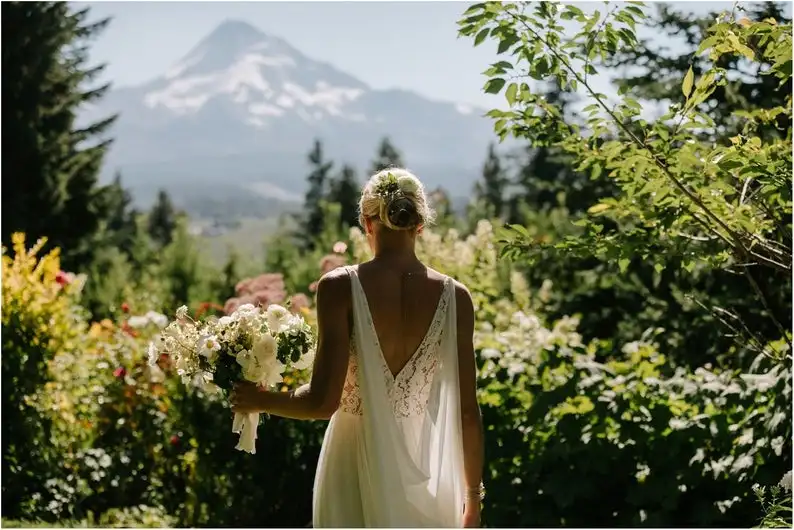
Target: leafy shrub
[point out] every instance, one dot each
(41, 320)
(573, 442)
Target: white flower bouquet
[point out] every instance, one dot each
(249, 345)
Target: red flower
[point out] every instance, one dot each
(174, 440)
(119, 372)
(125, 307)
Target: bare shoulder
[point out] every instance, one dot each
(334, 284)
(462, 295)
(463, 298)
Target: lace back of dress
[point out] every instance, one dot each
(409, 391)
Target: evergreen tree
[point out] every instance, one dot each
(162, 220)
(386, 157)
(314, 219)
(490, 191)
(345, 191)
(121, 224)
(50, 163)
(441, 204)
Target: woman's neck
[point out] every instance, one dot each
(397, 257)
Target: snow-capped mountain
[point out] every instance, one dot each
(243, 107)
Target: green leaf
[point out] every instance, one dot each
(623, 263)
(506, 43)
(636, 10)
(689, 80)
(494, 86)
(510, 94)
(472, 8)
(706, 44)
(481, 36)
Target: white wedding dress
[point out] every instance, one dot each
(392, 455)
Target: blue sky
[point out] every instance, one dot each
(409, 45)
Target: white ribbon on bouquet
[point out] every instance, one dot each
(246, 425)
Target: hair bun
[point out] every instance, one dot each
(402, 214)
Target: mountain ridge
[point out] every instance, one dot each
(242, 106)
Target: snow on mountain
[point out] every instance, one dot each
(259, 73)
(244, 107)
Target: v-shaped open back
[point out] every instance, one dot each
(432, 334)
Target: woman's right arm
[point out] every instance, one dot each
(471, 420)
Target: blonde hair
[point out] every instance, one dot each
(397, 199)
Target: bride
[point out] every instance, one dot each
(395, 373)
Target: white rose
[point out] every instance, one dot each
(408, 184)
(261, 365)
(277, 318)
(246, 309)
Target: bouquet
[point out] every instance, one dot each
(251, 344)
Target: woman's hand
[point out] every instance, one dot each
(246, 398)
(471, 515)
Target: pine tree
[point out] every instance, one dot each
(345, 191)
(490, 191)
(162, 220)
(121, 226)
(51, 164)
(441, 204)
(314, 219)
(386, 157)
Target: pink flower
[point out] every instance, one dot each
(231, 305)
(125, 307)
(263, 290)
(119, 372)
(340, 247)
(331, 262)
(298, 302)
(64, 278)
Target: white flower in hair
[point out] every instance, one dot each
(408, 184)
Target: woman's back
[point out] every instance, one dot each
(403, 302)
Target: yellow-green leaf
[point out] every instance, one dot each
(510, 94)
(689, 80)
(598, 208)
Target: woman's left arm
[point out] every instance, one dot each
(320, 398)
